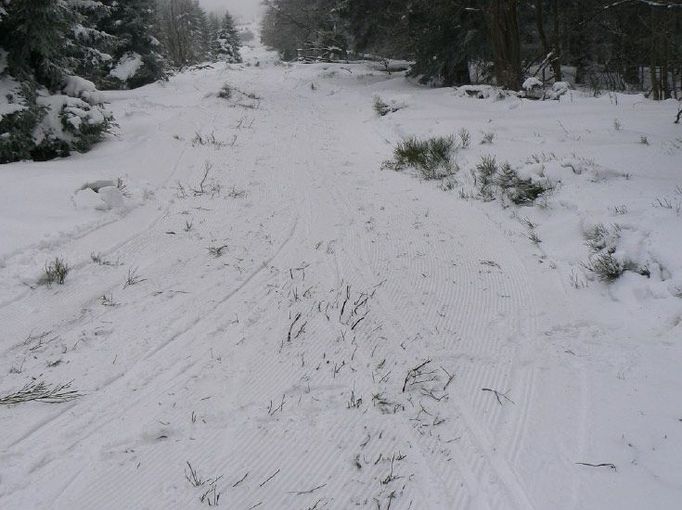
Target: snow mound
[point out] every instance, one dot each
(481, 92)
(101, 195)
(561, 87)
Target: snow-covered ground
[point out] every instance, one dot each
(306, 330)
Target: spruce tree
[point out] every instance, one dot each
(227, 44)
(44, 44)
(34, 35)
(132, 24)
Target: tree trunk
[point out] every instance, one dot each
(556, 38)
(655, 91)
(503, 29)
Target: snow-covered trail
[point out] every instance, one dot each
(286, 365)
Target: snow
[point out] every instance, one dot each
(561, 87)
(285, 361)
(531, 83)
(127, 67)
(77, 87)
(9, 95)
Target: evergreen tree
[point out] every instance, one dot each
(131, 23)
(313, 28)
(226, 43)
(447, 37)
(43, 45)
(88, 46)
(184, 32)
(34, 35)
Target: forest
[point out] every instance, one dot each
(340, 254)
(606, 44)
(56, 55)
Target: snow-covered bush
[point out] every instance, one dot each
(610, 255)
(522, 186)
(18, 116)
(225, 92)
(521, 190)
(599, 238)
(133, 70)
(484, 175)
(606, 266)
(42, 126)
(127, 67)
(85, 124)
(432, 157)
(47, 108)
(77, 87)
(533, 88)
(382, 108)
(55, 272)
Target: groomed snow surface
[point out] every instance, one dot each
(271, 321)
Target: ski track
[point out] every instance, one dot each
(442, 283)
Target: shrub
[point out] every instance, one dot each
(383, 108)
(464, 138)
(606, 266)
(485, 173)
(518, 190)
(225, 92)
(16, 128)
(602, 242)
(488, 138)
(432, 157)
(490, 176)
(87, 124)
(44, 126)
(55, 272)
(600, 237)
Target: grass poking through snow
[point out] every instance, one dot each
(41, 392)
(432, 157)
(55, 272)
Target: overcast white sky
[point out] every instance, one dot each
(244, 9)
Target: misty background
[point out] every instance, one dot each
(243, 10)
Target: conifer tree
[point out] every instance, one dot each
(131, 23)
(227, 44)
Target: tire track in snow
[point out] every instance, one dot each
(489, 347)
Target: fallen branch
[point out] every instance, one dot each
(604, 464)
(269, 478)
(413, 373)
(291, 327)
(498, 395)
(240, 480)
(310, 491)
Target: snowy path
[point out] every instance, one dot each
(285, 365)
